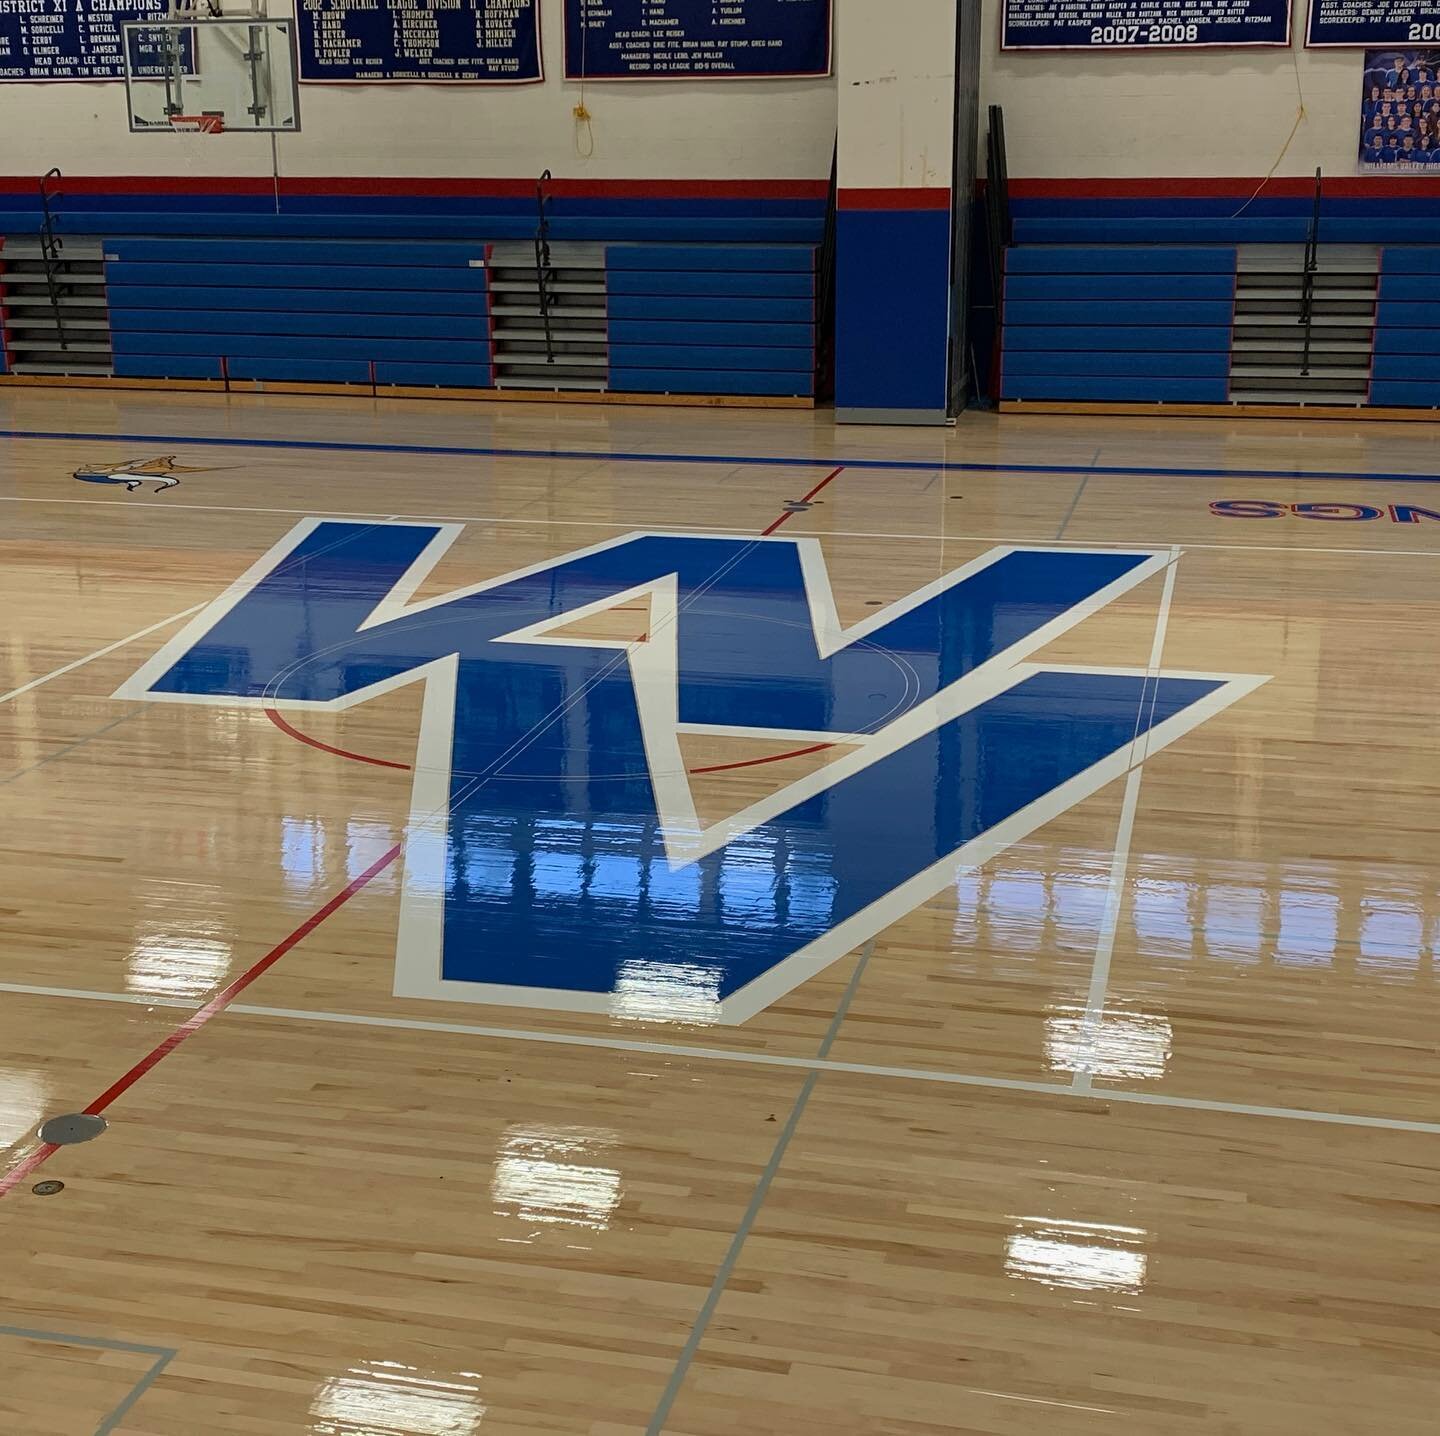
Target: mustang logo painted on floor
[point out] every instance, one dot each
(553, 854)
(136, 472)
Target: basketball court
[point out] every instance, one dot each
(922, 931)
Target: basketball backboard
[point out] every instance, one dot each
(211, 75)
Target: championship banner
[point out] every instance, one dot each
(72, 39)
(697, 39)
(1400, 112)
(464, 42)
(1369, 23)
(1142, 24)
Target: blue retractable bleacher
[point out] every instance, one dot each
(1119, 322)
(703, 300)
(1406, 367)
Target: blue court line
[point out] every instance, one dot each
(454, 451)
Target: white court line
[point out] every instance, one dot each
(1094, 1019)
(624, 524)
(753, 1059)
(100, 653)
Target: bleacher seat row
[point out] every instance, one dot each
(704, 304)
(1106, 300)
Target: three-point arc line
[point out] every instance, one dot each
(227, 995)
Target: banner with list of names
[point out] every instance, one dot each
(469, 42)
(697, 39)
(1142, 24)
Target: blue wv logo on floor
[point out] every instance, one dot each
(554, 856)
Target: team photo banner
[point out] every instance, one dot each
(1400, 112)
(697, 39)
(1142, 24)
(465, 42)
(1372, 23)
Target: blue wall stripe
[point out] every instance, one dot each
(154, 299)
(752, 333)
(701, 356)
(708, 381)
(772, 258)
(1199, 364)
(799, 285)
(1169, 312)
(265, 346)
(1119, 259)
(217, 324)
(1116, 338)
(1153, 288)
(651, 306)
(1100, 387)
(398, 276)
(1425, 395)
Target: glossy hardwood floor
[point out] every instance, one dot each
(1131, 1123)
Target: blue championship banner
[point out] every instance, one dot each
(470, 42)
(1366, 23)
(1142, 24)
(71, 39)
(696, 39)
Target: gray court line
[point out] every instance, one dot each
(163, 1355)
(71, 747)
(1074, 504)
(753, 1059)
(99, 1343)
(752, 1212)
(112, 1421)
(619, 527)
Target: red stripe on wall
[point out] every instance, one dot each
(815, 189)
(911, 197)
(1287, 187)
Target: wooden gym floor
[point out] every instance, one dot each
(1128, 1122)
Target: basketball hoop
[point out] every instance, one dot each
(198, 124)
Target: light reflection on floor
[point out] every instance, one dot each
(388, 1398)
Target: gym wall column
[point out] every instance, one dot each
(896, 70)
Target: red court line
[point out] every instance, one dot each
(305, 738)
(769, 758)
(223, 999)
(206, 1014)
(804, 499)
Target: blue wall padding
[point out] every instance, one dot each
(892, 320)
